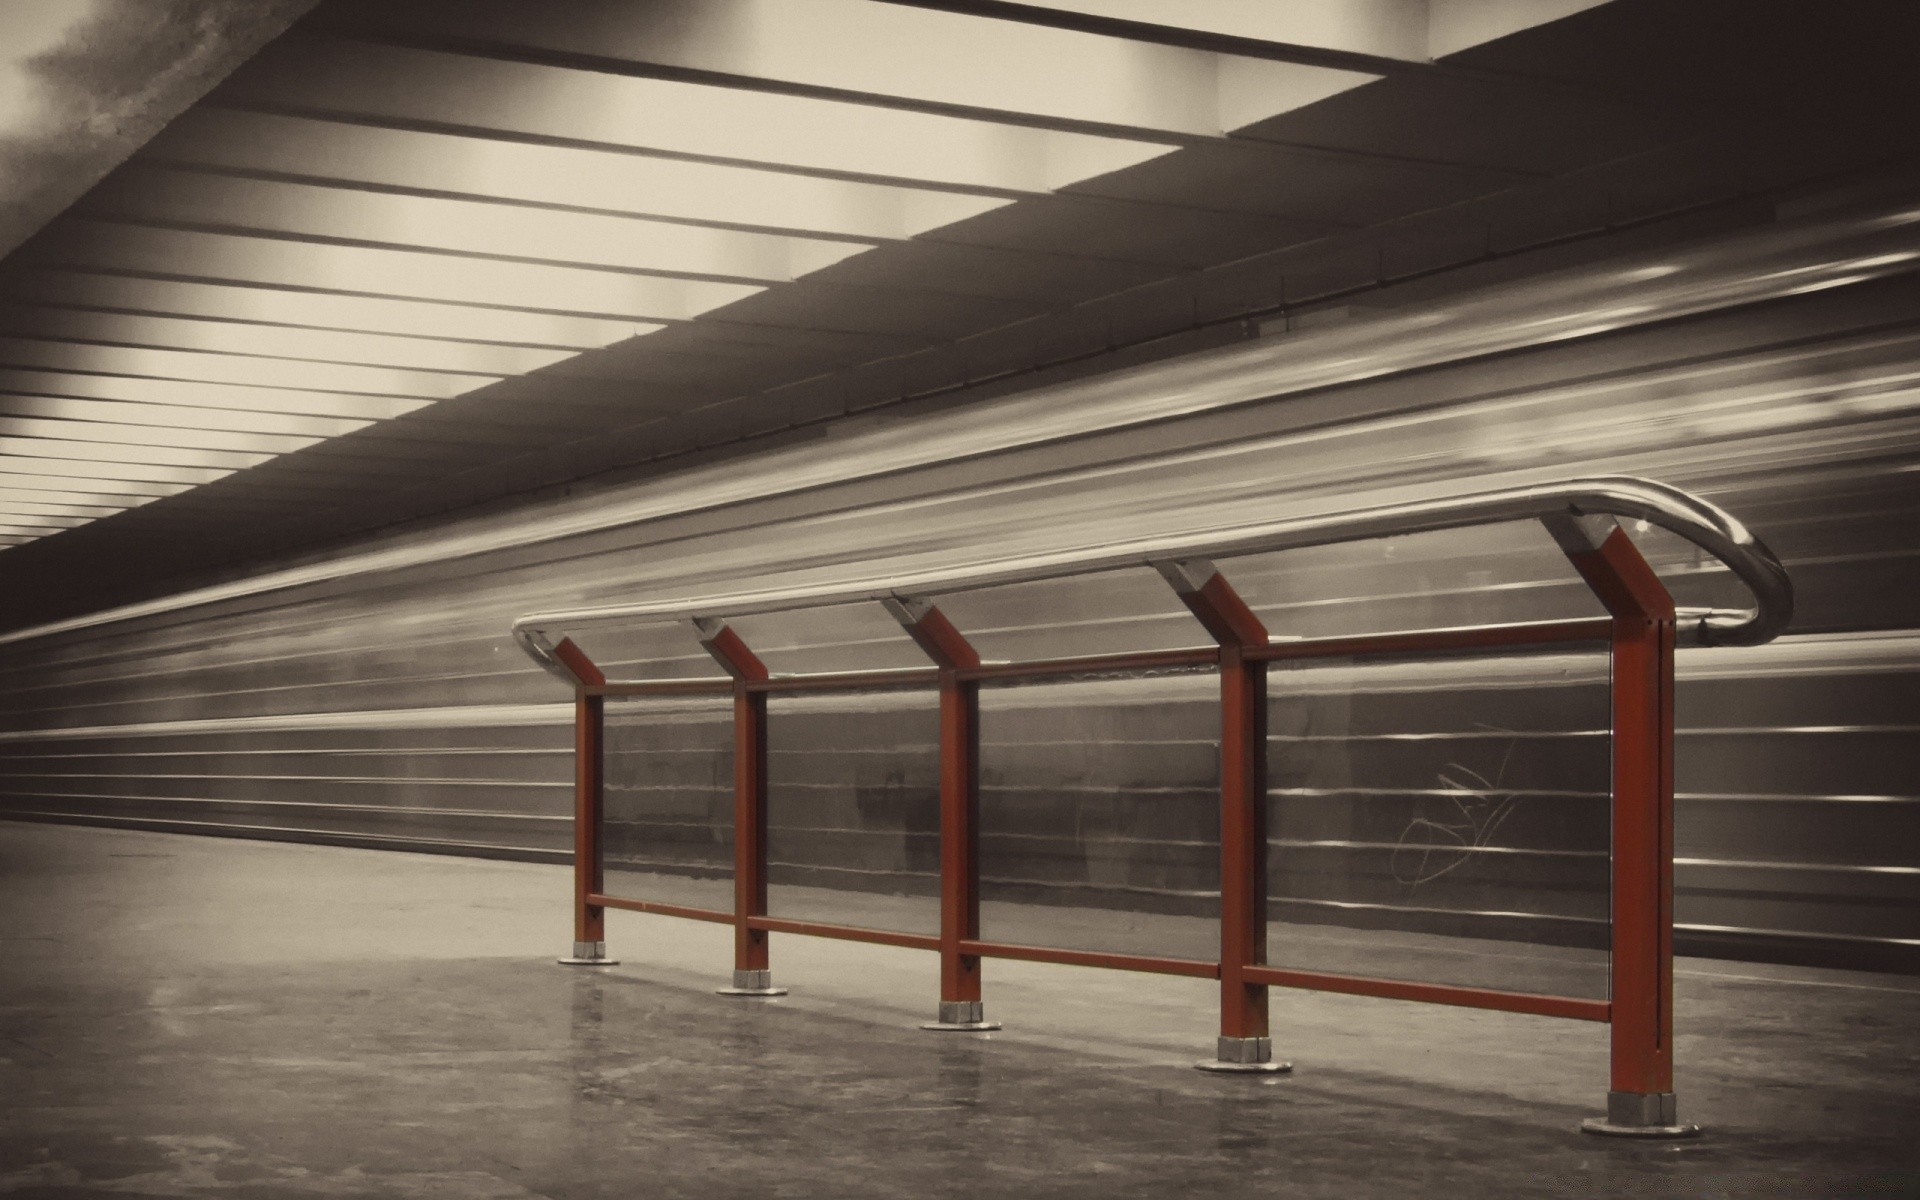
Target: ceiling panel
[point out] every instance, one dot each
(1165, 236)
(19, 501)
(121, 456)
(163, 436)
(271, 341)
(276, 145)
(316, 310)
(156, 196)
(21, 475)
(374, 271)
(67, 408)
(236, 368)
(198, 394)
(81, 463)
(391, 85)
(913, 55)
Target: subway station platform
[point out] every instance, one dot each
(185, 1016)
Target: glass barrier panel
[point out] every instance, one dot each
(1100, 814)
(1491, 575)
(853, 809)
(663, 651)
(1445, 821)
(840, 637)
(1695, 578)
(1108, 612)
(668, 831)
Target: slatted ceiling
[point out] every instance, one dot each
(804, 348)
(328, 77)
(127, 457)
(39, 526)
(82, 412)
(1164, 236)
(320, 310)
(907, 312)
(244, 492)
(623, 385)
(267, 341)
(30, 456)
(24, 504)
(714, 343)
(57, 503)
(1048, 276)
(375, 451)
(398, 274)
(499, 418)
(30, 522)
(233, 368)
(188, 394)
(1131, 223)
(912, 55)
(1303, 184)
(31, 475)
(301, 210)
(568, 177)
(152, 435)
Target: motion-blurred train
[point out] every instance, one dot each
(374, 697)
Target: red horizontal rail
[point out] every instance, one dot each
(846, 681)
(1193, 967)
(1571, 1007)
(849, 933)
(1482, 637)
(1145, 660)
(665, 687)
(662, 910)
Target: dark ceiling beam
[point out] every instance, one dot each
(1176, 35)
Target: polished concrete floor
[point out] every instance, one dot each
(202, 1017)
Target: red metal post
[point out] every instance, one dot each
(589, 795)
(589, 920)
(752, 967)
(1244, 1043)
(1640, 1100)
(961, 1006)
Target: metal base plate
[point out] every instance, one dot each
(1244, 1068)
(1606, 1128)
(1244, 1056)
(588, 954)
(1640, 1115)
(962, 1016)
(751, 983)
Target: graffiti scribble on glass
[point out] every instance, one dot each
(1467, 817)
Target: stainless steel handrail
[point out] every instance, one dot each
(1702, 523)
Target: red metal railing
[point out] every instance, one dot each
(1641, 631)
